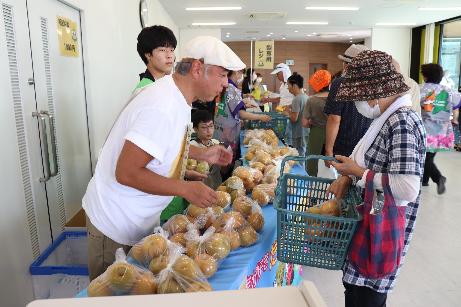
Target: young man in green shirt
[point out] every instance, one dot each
(156, 46)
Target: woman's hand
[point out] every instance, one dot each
(346, 166)
(339, 187)
(195, 176)
(265, 118)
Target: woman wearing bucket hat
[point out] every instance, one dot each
(393, 149)
(314, 117)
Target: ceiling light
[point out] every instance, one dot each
(395, 24)
(296, 31)
(458, 8)
(350, 41)
(309, 35)
(332, 8)
(213, 23)
(228, 33)
(284, 38)
(268, 35)
(307, 23)
(214, 8)
(272, 33)
(313, 33)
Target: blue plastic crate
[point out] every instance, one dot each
(62, 269)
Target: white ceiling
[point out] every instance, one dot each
(342, 24)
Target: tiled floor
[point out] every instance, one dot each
(431, 275)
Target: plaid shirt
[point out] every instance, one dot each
(399, 148)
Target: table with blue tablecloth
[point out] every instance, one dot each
(255, 266)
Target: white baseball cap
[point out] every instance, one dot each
(213, 52)
(283, 68)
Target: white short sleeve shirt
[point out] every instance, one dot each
(156, 121)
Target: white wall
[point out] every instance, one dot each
(396, 42)
(112, 64)
(187, 34)
(159, 16)
(368, 42)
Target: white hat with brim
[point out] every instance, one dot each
(282, 67)
(213, 52)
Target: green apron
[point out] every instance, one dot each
(178, 204)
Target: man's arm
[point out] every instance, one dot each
(254, 116)
(131, 171)
(332, 129)
(294, 116)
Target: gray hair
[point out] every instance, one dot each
(184, 66)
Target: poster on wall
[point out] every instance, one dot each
(264, 55)
(67, 37)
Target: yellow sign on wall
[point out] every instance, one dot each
(264, 54)
(67, 37)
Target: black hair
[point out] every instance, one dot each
(432, 72)
(297, 79)
(201, 116)
(153, 37)
(249, 73)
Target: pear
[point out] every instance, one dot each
(121, 276)
(187, 268)
(207, 264)
(248, 236)
(154, 246)
(191, 164)
(169, 285)
(218, 246)
(99, 287)
(144, 284)
(256, 220)
(203, 167)
(158, 264)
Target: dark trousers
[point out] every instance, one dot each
(357, 296)
(430, 170)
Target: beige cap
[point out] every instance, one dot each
(352, 52)
(213, 52)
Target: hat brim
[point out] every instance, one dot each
(276, 71)
(371, 88)
(344, 59)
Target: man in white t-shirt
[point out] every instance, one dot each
(142, 163)
(283, 72)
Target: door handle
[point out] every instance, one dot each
(53, 143)
(42, 125)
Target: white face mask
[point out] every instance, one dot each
(370, 112)
(254, 76)
(259, 80)
(240, 80)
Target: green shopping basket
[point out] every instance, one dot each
(278, 123)
(312, 239)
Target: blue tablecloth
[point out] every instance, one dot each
(255, 266)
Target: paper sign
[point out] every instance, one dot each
(67, 37)
(264, 54)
